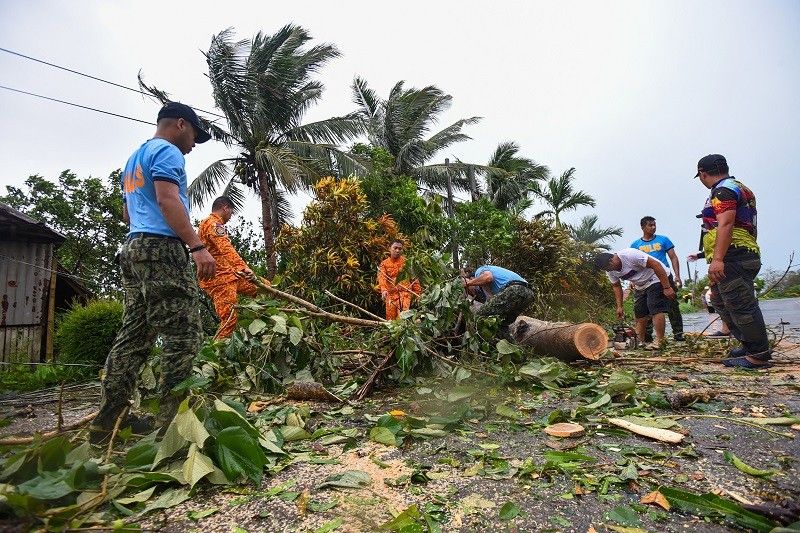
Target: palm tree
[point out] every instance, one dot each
(559, 194)
(510, 177)
(589, 232)
(401, 125)
(264, 87)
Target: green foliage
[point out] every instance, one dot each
(24, 378)
(88, 212)
(559, 194)
(396, 195)
(250, 245)
(85, 333)
(337, 247)
(483, 232)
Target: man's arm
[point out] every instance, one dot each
(676, 266)
(661, 273)
(178, 219)
(483, 281)
(618, 297)
(725, 220)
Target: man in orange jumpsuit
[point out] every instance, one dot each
(233, 276)
(396, 296)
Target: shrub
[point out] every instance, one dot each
(337, 247)
(85, 333)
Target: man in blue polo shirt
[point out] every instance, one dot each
(660, 247)
(507, 293)
(161, 293)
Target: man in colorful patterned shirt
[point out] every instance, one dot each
(734, 260)
(661, 247)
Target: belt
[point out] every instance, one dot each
(144, 234)
(517, 282)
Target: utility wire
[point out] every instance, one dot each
(139, 91)
(76, 105)
(44, 268)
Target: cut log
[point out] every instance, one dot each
(564, 429)
(562, 340)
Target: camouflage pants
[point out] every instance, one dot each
(161, 298)
(508, 304)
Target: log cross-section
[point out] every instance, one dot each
(562, 340)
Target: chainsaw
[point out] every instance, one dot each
(625, 337)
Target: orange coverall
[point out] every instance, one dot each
(224, 287)
(399, 298)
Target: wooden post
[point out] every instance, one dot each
(51, 309)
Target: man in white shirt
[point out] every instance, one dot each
(650, 279)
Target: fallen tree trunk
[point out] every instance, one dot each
(562, 340)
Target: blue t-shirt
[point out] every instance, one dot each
(657, 247)
(155, 160)
(501, 276)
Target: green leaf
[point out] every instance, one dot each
(509, 511)
(199, 515)
(329, 526)
(294, 433)
(295, 335)
(428, 432)
(405, 521)
(349, 479)
(506, 348)
(623, 515)
(79, 454)
(141, 455)
(238, 454)
(321, 507)
(383, 435)
(621, 382)
(601, 401)
(256, 326)
(170, 444)
(197, 465)
(507, 411)
(139, 497)
(189, 426)
(710, 505)
(53, 454)
(168, 498)
(746, 468)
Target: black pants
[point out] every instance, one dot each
(735, 300)
(673, 313)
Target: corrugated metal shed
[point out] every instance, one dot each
(27, 282)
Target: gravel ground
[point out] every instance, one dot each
(290, 499)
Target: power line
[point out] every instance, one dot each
(139, 91)
(76, 105)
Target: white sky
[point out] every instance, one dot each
(629, 93)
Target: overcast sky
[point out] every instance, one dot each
(629, 93)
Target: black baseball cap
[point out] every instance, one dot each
(714, 163)
(179, 110)
(602, 260)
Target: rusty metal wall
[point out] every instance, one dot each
(24, 285)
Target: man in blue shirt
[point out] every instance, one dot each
(507, 293)
(161, 293)
(660, 247)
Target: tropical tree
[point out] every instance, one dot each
(264, 87)
(589, 232)
(559, 194)
(510, 177)
(402, 126)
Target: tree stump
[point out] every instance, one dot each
(562, 340)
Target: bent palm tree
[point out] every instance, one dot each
(510, 178)
(264, 87)
(560, 195)
(401, 124)
(589, 232)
